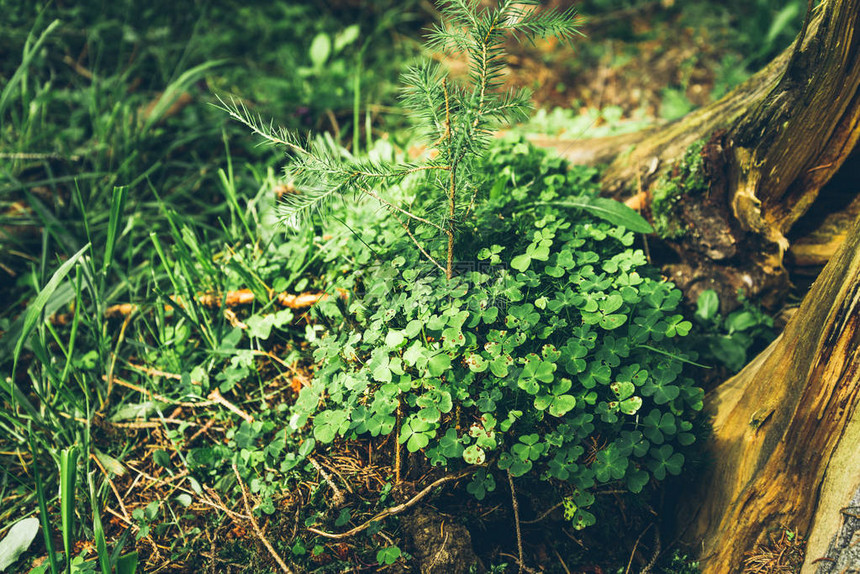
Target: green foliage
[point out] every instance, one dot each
(454, 120)
(544, 366)
(675, 103)
(679, 564)
(141, 207)
(729, 339)
(571, 123)
(686, 177)
(387, 555)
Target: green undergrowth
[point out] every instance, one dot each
(573, 124)
(98, 95)
(731, 339)
(558, 338)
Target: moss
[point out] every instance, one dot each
(685, 177)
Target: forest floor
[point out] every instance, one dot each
(199, 190)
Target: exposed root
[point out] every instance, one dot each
(394, 510)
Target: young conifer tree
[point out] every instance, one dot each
(456, 120)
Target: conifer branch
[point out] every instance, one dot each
(400, 210)
(270, 133)
(420, 247)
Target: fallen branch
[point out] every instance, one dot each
(238, 298)
(394, 510)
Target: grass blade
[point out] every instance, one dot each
(25, 63)
(43, 508)
(34, 309)
(174, 90)
(99, 531)
(117, 205)
(127, 564)
(68, 482)
(607, 209)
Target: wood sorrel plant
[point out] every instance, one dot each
(456, 120)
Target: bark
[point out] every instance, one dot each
(772, 144)
(784, 447)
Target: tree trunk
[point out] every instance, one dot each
(787, 429)
(772, 144)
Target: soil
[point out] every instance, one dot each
(440, 545)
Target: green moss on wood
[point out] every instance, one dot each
(685, 177)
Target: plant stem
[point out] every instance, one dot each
(449, 271)
(452, 170)
(516, 520)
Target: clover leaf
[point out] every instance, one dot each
(450, 445)
(535, 371)
(500, 365)
(476, 363)
(482, 482)
(657, 426)
(676, 325)
(574, 509)
(561, 405)
(394, 339)
(416, 434)
(627, 403)
(610, 464)
(665, 459)
(636, 480)
(514, 465)
(491, 253)
(474, 455)
(661, 390)
(438, 364)
(328, 424)
(387, 555)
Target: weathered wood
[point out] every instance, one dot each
(815, 248)
(773, 143)
(785, 426)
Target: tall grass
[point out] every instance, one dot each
(118, 186)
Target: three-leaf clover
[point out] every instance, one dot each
(610, 464)
(626, 403)
(388, 555)
(329, 424)
(665, 459)
(538, 249)
(656, 426)
(482, 482)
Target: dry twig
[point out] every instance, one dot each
(257, 530)
(337, 499)
(394, 510)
